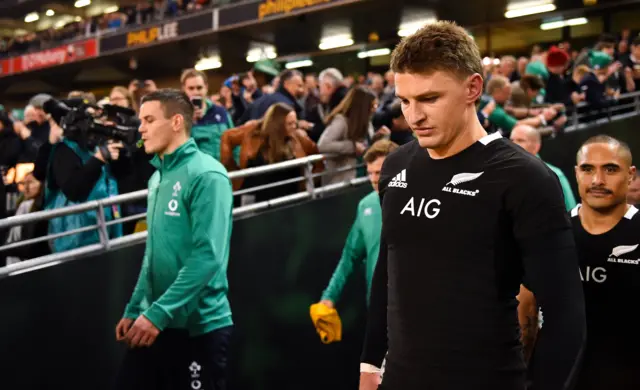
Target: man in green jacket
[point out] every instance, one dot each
(529, 139)
(178, 321)
(209, 120)
(363, 241)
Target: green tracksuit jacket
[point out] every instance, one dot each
(363, 243)
(183, 280)
(207, 132)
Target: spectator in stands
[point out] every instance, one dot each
(348, 133)
(121, 97)
(507, 68)
(80, 171)
(139, 89)
(499, 90)
(210, 121)
(573, 84)
(290, 90)
(401, 132)
(332, 91)
(631, 64)
(31, 200)
(533, 87)
(557, 86)
(606, 44)
(529, 139)
(10, 143)
(275, 138)
(594, 84)
(34, 130)
(522, 66)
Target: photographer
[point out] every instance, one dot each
(79, 171)
(209, 120)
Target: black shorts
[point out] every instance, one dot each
(178, 362)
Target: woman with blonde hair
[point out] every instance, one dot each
(120, 96)
(275, 138)
(348, 133)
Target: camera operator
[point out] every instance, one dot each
(33, 131)
(209, 120)
(79, 171)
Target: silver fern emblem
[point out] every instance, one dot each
(621, 250)
(463, 178)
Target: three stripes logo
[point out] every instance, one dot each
(400, 180)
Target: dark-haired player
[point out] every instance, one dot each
(465, 216)
(607, 233)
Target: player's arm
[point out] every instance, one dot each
(210, 224)
(353, 252)
(375, 341)
(528, 319)
(543, 231)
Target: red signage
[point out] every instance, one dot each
(5, 67)
(57, 56)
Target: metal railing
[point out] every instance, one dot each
(629, 102)
(105, 244)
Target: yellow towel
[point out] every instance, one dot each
(327, 322)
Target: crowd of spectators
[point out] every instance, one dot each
(244, 124)
(144, 12)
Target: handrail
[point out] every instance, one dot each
(136, 238)
(142, 194)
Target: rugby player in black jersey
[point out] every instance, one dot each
(465, 216)
(607, 234)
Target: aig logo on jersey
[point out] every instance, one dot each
(400, 180)
(459, 179)
(618, 251)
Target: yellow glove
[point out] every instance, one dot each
(327, 322)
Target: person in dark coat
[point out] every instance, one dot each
(290, 90)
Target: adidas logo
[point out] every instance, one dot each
(400, 180)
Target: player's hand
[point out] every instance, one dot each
(142, 334)
(369, 380)
(122, 328)
(327, 303)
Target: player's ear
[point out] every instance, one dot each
(632, 173)
(474, 88)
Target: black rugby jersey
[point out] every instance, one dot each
(610, 272)
(458, 234)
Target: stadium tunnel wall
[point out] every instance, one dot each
(57, 324)
(57, 329)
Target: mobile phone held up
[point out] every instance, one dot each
(196, 101)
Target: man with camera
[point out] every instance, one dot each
(78, 171)
(178, 321)
(209, 120)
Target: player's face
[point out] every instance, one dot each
(435, 105)
(373, 170)
(156, 131)
(603, 176)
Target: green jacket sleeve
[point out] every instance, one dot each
(210, 207)
(569, 199)
(354, 251)
(133, 309)
(501, 119)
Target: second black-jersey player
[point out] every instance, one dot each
(607, 234)
(466, 216)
